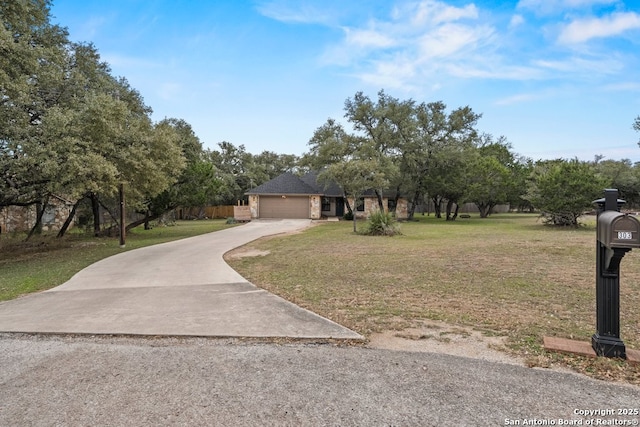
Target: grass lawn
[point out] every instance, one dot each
(507, 275)
(45, 261)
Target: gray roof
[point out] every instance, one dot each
(287, 183)
(330, 190)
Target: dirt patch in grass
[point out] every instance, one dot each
(439, 337)
(244, 253)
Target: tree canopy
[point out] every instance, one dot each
(564, 190)
(422, 151)
(68, 127)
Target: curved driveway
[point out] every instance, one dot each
(180, 288)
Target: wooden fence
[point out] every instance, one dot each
(205, 212)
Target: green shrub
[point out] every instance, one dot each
(231, 220)
(381, 223)
(348, 216)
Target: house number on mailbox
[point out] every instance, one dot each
(625, 235)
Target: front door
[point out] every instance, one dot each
(339, 207)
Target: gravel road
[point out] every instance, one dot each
(116, 381)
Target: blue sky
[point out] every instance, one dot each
(557, 78)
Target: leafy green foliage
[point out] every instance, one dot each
(381, 223)
(564, 190)
(420, 149)
(495, 175)
(71, 128)
(623, 176)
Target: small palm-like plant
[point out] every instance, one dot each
(381, 223)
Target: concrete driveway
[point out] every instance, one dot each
(180, 288)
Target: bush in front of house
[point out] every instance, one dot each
(381, 223)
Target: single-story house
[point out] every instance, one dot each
(291, 196)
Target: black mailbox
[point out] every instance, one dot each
(616, 234)
(618, 230)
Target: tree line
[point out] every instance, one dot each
(69, 127)
(424, 152)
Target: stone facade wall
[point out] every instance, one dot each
(402, 209)
(253, 205)
(15, 219)
(371, 204)
(315, 206)
(242, 213)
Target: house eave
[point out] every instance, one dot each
(285, 194)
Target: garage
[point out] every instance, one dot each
(284, 207)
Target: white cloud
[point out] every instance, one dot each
(296, 12)
(583, 30)
(392, 74)
(581, 66)
(368, 38)
(518, 99)
(423, 44)
(623, 87)
(431, 12)
(450, 39)
(481, 68)
(417, 39)
(516, 20)
(547, 7)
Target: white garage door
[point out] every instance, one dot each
(289, 207)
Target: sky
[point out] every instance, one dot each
(557, 78)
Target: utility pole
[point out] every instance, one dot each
(122, 216)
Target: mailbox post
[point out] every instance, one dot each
(617, 234)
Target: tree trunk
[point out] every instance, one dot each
(436, 206)
(67, 222)
(395, 199)
(455, 212)
(449, 208)
(37, 227)
(346, 203)
(380, 203)
(485, 209)
(136, 223)
(412, 206)
(95, 210)
(354, 212)
(146, 220)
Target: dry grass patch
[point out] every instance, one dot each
(508, 274)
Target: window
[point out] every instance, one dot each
(326, 204)
(49, 215)
(360, 205)
(391, 205)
